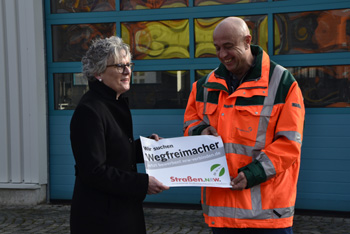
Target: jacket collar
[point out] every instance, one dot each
(254, 73)
(257, 78)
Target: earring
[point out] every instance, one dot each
(100, 80)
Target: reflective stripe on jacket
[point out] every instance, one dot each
(261, 122)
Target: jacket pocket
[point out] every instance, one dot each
(210, 108)
(249, 121)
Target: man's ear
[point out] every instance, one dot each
(247, 41)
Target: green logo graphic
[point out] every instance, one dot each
(217, 168)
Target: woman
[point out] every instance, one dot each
(108, 191)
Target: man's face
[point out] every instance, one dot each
(231, 50)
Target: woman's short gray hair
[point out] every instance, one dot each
(100, 52)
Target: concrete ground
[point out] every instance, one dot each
(167, 219)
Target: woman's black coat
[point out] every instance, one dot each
(108, 191)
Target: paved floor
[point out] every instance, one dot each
(54, 218)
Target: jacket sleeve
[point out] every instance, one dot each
(89, 148)
(139, 153)
(193, 118)
(285, 149)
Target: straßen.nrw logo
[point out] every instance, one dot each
(217, 169)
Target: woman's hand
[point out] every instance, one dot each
(155, 136)
(155, 186)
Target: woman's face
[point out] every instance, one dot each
(119, 82)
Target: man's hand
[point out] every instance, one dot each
(209, 131)
(240, 182)
(155, 186)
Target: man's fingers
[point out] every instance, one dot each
(209, 131)
(240, 182)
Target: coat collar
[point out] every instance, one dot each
(103, 90)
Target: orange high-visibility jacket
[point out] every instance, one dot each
(261, 124)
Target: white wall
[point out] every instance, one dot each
(23, 117)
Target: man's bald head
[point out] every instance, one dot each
(232, 41)
(235, 25)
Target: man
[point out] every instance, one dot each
(256, 106)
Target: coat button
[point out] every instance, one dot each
(213, 222)
(130, 140)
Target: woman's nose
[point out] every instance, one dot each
(127, 70)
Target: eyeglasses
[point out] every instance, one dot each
(121, 67)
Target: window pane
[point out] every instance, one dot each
(68, 89)
(204, 33)
(150, 90)
(326, 86)
(157, 39)
(74, 6)
(70, 42)
(223, 2)
(203, 30)
(159, 90)
(312, 32)
(201, 73)
(151, 4)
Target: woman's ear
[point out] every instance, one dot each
(98, 78)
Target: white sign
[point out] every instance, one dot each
(187, 161)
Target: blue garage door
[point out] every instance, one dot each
(172, 47)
